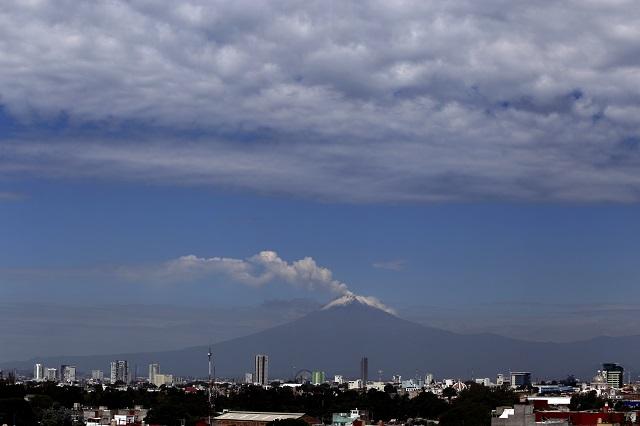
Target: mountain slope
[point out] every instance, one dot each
(334, 339)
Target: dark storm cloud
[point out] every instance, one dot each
(348, 101)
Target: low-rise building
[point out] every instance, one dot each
(347, 419)
(259, 418)
(521, 415)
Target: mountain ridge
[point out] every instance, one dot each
(334, 339)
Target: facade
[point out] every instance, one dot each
(261, 375)
(68, 374)
(428, 379)
(484, 382)
(339, 379)
(162, 379)
(317, 377)
(100, 416)
(521, 415)
(613, 374)
(347, 419)
(586, 418)
(119, 371)
(355, 384)
(520, 378)
(379, 386)
(153, 370)
(248, 378)
(51, 374)
(97, 375)
(38, 372)
(257, 418)
(501, 380)
(61, 372)
(364, 370)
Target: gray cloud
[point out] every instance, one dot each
(366, 102)
(10, 196)
(392, 265)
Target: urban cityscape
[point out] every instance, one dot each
(319, 212)
(609, 397)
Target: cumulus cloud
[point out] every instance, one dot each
(378, 101)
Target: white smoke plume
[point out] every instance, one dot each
(351, 298)
(256, 271)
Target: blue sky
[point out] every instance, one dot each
(473, 165)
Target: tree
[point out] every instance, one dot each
(569, 381)
(449, 392)
(586, 401)
(56, 417)
(467, 413)
(389, 388)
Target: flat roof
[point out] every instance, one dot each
(257, 416)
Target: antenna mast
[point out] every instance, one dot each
(209, 356)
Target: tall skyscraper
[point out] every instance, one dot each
(119, 371)
(38, 373)
(61, 373)
(614, 374)
(261, 375)
(154, 369)
(364, 370)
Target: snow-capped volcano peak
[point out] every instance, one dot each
(351, 299)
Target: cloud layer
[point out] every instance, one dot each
(365, 102)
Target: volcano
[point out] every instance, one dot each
(335, 338)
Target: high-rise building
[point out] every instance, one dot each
(614, 374)
(97, 375)
(61, 372)
(364, 370)
(68, 374)
(428, 379)
(317, 377)
(51, 374)
(248, 378)
(119, 371)
(261, 375)
(38, 373)
(153, 370)
(338, 378)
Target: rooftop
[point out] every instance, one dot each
(257, 416)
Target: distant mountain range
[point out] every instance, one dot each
(335, 338)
